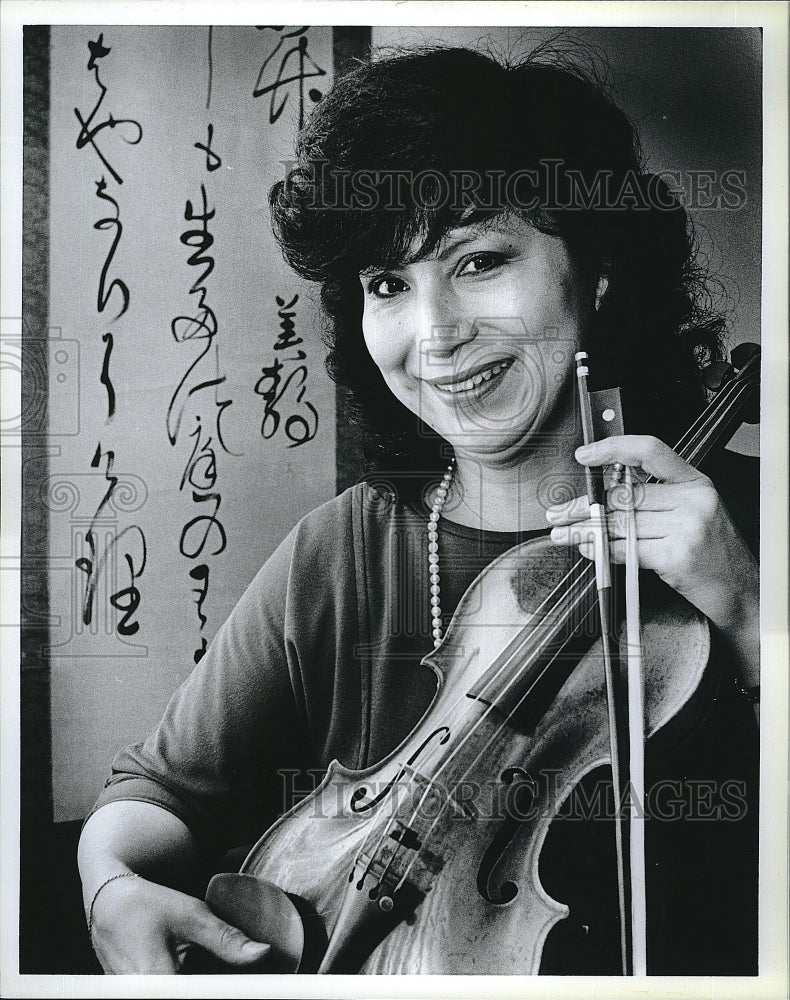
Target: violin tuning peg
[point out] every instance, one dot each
(743, 354)
(716, 374)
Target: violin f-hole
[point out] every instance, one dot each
(361, 803)
(521, 794)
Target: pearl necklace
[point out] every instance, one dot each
(433, 552)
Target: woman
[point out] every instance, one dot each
(463, 262)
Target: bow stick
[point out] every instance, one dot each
(624, 685)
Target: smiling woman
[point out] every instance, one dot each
(453, 319)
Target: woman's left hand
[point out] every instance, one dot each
(684, 534)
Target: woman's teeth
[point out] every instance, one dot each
(471, 383)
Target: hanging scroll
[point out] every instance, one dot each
(191, 422)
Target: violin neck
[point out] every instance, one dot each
(721, 417)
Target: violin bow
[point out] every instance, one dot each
(636, 732)
(601, 416)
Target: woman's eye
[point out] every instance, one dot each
(387, 286)
(480, 262)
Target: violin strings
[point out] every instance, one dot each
(462, 702)
(689, 447)
(695, 447)
(505, 658)
(495, 734)
(525, 636)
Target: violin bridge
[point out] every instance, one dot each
(400, 856)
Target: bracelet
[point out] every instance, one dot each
(107, 881)
(751, 694)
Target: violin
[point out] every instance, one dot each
(428, 861)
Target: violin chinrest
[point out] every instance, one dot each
(264, 912)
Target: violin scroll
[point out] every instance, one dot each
(743, 367)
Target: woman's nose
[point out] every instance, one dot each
(441, 325)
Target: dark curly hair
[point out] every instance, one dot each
(543, 139)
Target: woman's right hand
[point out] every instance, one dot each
(142, 927)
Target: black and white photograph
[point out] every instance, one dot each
(394, 468)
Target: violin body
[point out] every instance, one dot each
(428, 862)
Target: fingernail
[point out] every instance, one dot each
(256, 948)
(584, 451)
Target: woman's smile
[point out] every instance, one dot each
(482, 377)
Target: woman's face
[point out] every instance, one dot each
(479, 339)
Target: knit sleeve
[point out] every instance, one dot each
(250, 729)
